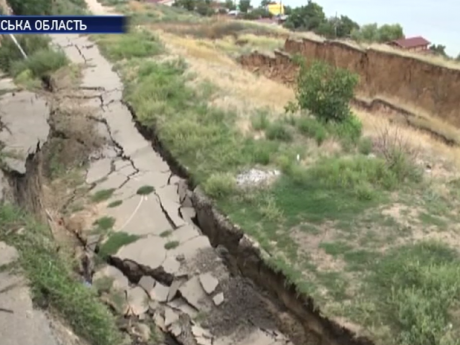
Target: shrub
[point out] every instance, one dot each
(260, 121)
(348, 131)
(415, 288)
(41, 63)
(365, 146)
(278, 131)
(10, 54)
(399, 155)
(313, 129)
(326, 91)
(220, 185)
(132, 45)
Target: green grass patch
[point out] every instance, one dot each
(171, 245)
(52, 281)
(278, 131)
(312, 128)
(137, 44)
(40, 64)
(166, 233)
(115, 203)
(102, 195)
(105, 224)
(415, 289)
(115, 242)
(260, 120)
(145, 190)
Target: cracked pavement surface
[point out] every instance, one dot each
(23, 124)
(172, 264)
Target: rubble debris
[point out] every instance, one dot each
(137, 301)
(255, 177)
(218, 299)
(147, 283)
(208, 282)
(170, 316)
(159, 292)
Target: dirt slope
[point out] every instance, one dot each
(407, 81)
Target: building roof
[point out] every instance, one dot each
(411, 42)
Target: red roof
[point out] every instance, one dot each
(411, 42)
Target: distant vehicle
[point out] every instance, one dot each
(233, 13)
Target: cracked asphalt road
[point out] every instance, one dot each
(193, 279)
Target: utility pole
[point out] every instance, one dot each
(19, 46)
(335, 25)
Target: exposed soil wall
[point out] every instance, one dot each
(280, 67)
(429, 87)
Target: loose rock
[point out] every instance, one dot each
(208, 282)
(159, 292)
(138, 301)
(218, 299)
(147, 283)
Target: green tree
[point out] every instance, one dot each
(244, 5)
(390, 32)
(458, 57)
(439, 49)
(189, 5)
(325, 91)
(287, 10)
(327, 28)
(345, 26)
(230, 5)
(337, 27)
(374, 33)
(258, 13)
(367, 33)
(307, 18)
(204, 8)
(35, 7)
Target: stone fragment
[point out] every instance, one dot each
(159, 292)
(147, 283)
(193, 293)
(171, 265)
(200, 332)
(120, 281)
(170, 316)
(92, 242)
(143, 331)
(174, 288)
(185, 233)
(218, 299)
(159, 321)
(204, 341)
(188, 213)
(182, 190)
(176, 329)
(138, 301)
(208, 282)
(8, 254)
(183, 306)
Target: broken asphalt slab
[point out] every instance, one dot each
(23, 126)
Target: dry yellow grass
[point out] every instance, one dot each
(242, 91)
(239, 89)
